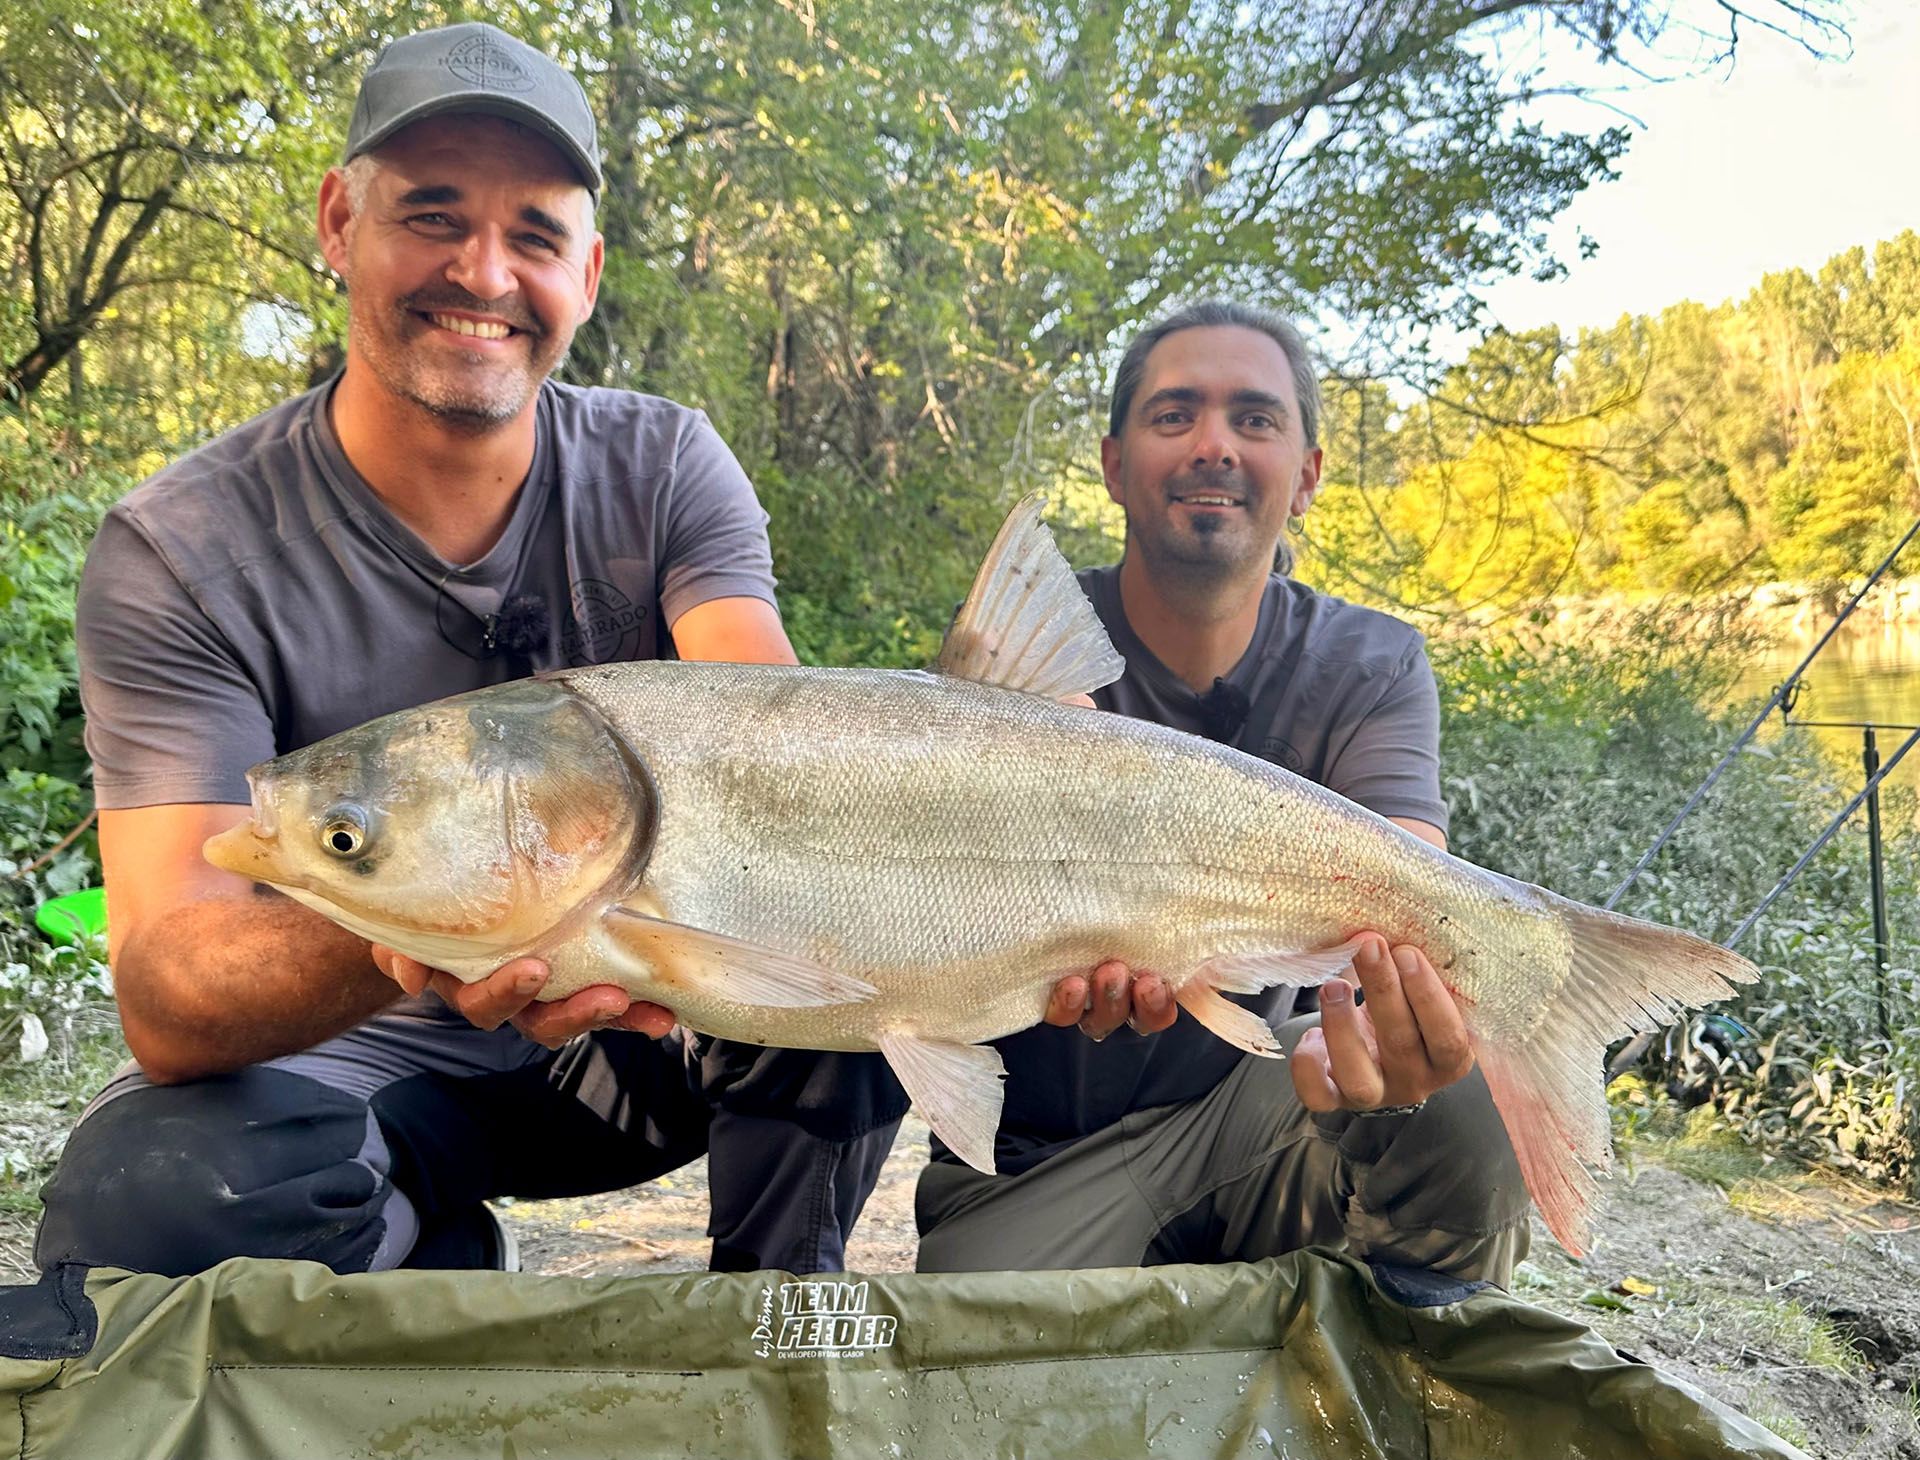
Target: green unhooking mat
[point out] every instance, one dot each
(1311, 1355)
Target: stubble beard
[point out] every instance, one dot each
(481, 397)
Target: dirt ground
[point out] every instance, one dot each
(1793, 1296)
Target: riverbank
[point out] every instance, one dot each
(1777, 610)
(1793, 1295)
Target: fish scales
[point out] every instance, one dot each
(950, 842)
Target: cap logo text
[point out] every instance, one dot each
(481, 61)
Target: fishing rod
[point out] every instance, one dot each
(1630, 1054)
(1780, 693)
(1872, 785)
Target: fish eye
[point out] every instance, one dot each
(344, 832)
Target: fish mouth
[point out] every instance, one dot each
(251, 848)
(247, 850)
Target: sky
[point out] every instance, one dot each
(1780, 162)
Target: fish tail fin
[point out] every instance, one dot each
(1624, 976)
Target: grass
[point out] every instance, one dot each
(1793, 1336)
(1768, 1413)
(1712, 1154)
(42, 1100)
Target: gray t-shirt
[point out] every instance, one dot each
(1331, 691)
(257, 595)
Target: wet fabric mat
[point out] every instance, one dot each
(1311, 1355)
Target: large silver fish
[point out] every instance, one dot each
(877, 859)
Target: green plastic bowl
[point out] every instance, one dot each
(74, 918)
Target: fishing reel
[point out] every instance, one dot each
(1698, 1055)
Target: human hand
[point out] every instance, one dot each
(511, 993)
(1113, 995)
(1407, 1041)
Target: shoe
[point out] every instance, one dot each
(467, 1239)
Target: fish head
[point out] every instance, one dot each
(460, 832)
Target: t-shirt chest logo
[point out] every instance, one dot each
(1282, 754)
(605, 626)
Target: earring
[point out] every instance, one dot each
(1296, 523)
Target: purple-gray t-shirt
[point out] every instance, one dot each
(1334, 692)
(257, 595)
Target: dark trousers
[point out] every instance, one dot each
(272, 1162)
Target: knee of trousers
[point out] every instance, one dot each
(1447, 1167)
(175, 1178)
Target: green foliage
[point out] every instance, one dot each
(49, 506)
(887, 248)
(1566, 753)
(154, 151)
(50, 501)
(47, 993)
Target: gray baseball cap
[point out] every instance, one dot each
(475, 68)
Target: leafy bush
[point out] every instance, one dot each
(52, 493)
(45, 991)
(1563, 763)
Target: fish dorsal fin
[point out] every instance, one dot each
(1026, 623)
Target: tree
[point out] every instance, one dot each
(889, 247)
(148, 152)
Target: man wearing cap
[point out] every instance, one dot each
(440, 517)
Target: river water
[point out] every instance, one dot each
(1869, 671)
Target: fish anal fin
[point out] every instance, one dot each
(1026, 624)
(1240, 1027)
(956, 1089)
(722, 966)
(1249, 973)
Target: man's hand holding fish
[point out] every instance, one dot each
(511, 995)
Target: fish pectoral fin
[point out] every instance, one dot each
(728, 967)
(956, 1089)
(1249, 973)
(1027, 624)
